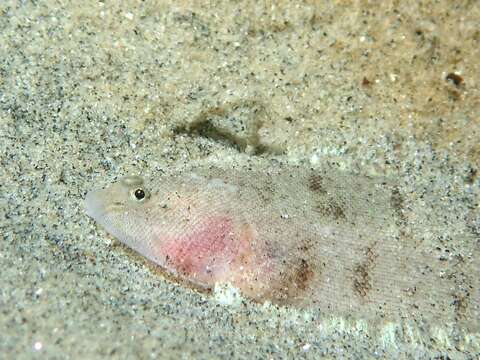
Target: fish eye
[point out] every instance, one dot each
(139, 194)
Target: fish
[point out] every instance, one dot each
(292, 236)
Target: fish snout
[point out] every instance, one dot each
(93, 204)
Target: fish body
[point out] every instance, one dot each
(286, 234)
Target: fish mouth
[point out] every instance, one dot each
(93, 205)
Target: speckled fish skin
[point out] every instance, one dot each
(289, 235)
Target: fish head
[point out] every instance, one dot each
(188, 226)
(121, 208)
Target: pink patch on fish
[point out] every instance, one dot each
(206, 252)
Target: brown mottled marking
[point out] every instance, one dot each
(461, 304)
(397, 199)
(265, 192)
(302, 275)
(305, 245)
(337, 211)
(326, 207)
(331, 208)
(462, 293)
(315, 183)
(296, 279)
(397, 202)
(362, 281)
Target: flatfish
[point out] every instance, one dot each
(295, 236)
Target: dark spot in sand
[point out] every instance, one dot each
(471, 176)
(366, 82)
(456, 79)
(234, 125)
